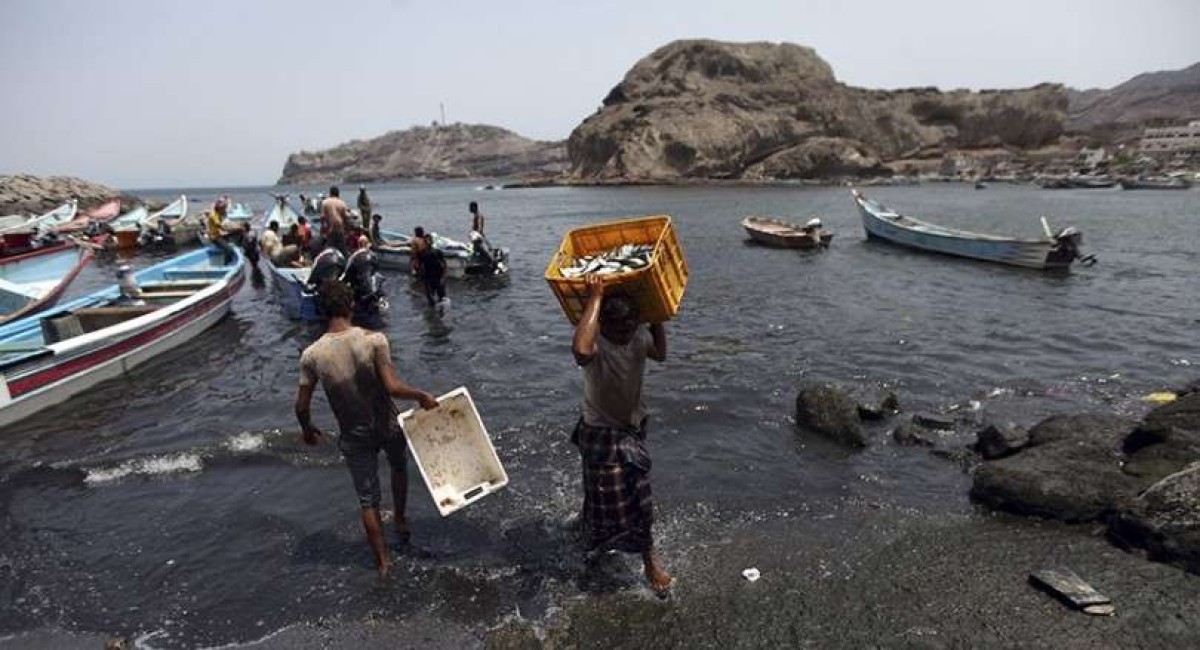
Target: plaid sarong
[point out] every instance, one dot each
(618, 510)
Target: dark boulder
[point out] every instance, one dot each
(1000, 440)
(912, 434)
(829, 411)
(1165, 520)
(1070, 470)
(1166, 441)
(934, 421)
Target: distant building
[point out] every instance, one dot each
(1092, 157)
(1171, 139)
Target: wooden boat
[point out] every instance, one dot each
(42, 223)
(171, 225)
(1051, 252)
(782, 234)
(46, 359)
(36, 280)
(239, 213)
(100, 214)
(393, 252)
(1171, 183)
(129, 220)
(299, 303)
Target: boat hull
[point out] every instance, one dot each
(780, 234)
(298, 303)
(891, 227)
(63, 262)
(77, 364)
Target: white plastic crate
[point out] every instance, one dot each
(453, 451)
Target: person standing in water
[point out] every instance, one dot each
(333, 218)
(430, 265)
(364, 206)
(476, 217)
(355, 368)
(611, 346)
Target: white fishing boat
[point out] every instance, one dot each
(34, 281)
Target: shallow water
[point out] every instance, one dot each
(177, 504)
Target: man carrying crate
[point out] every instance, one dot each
(611, 346)
(355, 367)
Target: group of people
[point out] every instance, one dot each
(610, 345)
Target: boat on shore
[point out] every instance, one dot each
(1156, 183)
(48, 358)
(783, 234)
(40, 224)
(393, 251)
(1054, 251)
(102, 213)
(34, 281)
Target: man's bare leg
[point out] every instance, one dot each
(399, 501)
(660, 580)
(373, 526)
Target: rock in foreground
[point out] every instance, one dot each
(1165, 520)
(831, 412)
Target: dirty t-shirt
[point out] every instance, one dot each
(612, 382)
(344, 364)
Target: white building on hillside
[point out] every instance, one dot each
(1169, 139)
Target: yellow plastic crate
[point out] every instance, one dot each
(657, 289)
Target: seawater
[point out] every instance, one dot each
(177, 504)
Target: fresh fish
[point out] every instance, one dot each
(623, 258)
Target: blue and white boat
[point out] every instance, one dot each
(48, 358)
(299, 302)
(33, 281)
(1054, 251)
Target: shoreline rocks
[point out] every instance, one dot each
(29, 194)
(829, 411)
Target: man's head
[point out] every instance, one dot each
(473, 207)
(301, 220)
(419, 231)
(273, 226)
(619, 318)
(334, 192)
(335, 299)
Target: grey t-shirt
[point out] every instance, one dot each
(344, 364)
(612, 382)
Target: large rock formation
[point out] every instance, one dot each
(706, 109)
(25, 194)
(1165, 520)
(436, 152)
(1172, 95)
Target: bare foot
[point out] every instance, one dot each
(660, 580)
(384, 569)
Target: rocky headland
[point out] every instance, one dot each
(433, 152)
(27, 194)
(753, 111)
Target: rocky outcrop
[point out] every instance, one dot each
(1165, 520)
(25, 194)
(1000, 440)
(707, 109)
(1172, 95)
(1071, 469)
(435, 152)
(830, 411)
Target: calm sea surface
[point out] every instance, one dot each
(176, 504)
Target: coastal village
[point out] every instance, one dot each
(332, 256)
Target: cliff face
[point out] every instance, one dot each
(1170, 95)
(453, 151)
(706, 109)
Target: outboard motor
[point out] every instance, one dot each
(362, 274)
(1070, 242)
(329, 264)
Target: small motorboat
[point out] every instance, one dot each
(1054, 251)
(47, 358)
(1156, 183)
(34, 281)
(393, 251)
(783, 234)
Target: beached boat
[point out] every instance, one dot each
(102, 213)
(43, 223)
(282, 213)
(129, 220)
(782, 234)
(393, 252)
(1166, 183)
(1051, 252)
(48, 358)
(299, 303)
(239, 213)
(36, 280)
(172, 225)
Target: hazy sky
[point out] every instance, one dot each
(155, 93)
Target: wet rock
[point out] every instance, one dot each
(1166, 441)
(513, 634)
(890, 403)
(1000, 440)
(912, 434)
(933, 421)
(829, 411)
(1165, 520)
(870, 413)
(1069, 470)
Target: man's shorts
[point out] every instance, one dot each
(362, 457)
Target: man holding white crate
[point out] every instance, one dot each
(611, 345)
(355, 368)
